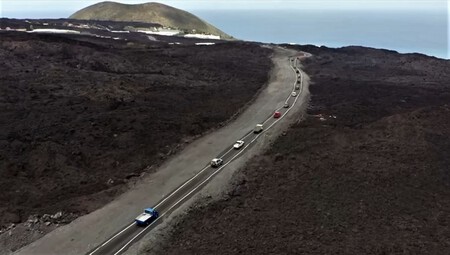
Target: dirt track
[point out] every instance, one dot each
(81, 120)
(367, 172)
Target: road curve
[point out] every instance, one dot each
(125, 237)
(94, 234)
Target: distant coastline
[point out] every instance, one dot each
(406, 32)
(402, 31)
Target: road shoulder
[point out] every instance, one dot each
(90, 230)
(225, 182)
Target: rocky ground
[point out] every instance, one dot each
(91, 30)
(368, 172)
(81, 118)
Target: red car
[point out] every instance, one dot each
(277, 114)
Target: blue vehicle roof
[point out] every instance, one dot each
(150, 210)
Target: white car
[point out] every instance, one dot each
(294, 94)
(238, 144)
(216, 162)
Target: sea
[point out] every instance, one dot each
(406, 31)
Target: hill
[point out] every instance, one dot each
(149, 13)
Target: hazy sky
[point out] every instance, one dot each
(64, 8)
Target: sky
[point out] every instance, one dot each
(64, 8)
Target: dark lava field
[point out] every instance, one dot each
(367, 172)
(82, 117)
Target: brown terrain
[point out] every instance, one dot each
(81, 117)
(368, 171)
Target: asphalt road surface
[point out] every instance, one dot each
(111, 230)
(120, 241)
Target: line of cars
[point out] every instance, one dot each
(150, 214)
(217, 162)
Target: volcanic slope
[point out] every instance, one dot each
(149, 13)
(366, 173)
(81, 120)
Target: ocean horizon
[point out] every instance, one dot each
(405, 31)
(424, 32)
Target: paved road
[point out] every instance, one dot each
(87, 233)
(119, 242)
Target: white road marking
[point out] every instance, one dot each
(171, 194)
(227, 152)
(247, 135)
(214, 173)
(109, 240)
(138, 234)
(287, 99)
(266, 120)
(184, 184)
(203, 182)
